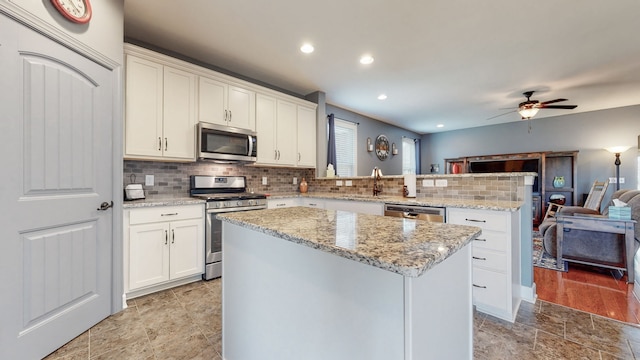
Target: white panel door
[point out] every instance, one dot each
(56, 140)
(212, 100)
(187, 248)
(148, 255)
(306, 137)
(266, 129)
(286, 133)
(242, 105)
(179, 114)
(143, 108)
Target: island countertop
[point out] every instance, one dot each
(403, 246)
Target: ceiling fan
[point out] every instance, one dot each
(528, 109)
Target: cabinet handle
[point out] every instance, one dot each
(312, 204)
(170, 214)
(173, 237)
(166, 237)
(159, 144)
(275, 154)
(298, 156)
(225, 115)
(166, 144)
(278, 154)
(479, 286)
(230, 115)
(478, 239)
(281, 204)
(479, 258)
(474, 220)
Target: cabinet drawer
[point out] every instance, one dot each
(490, 288)
(487, 220)
(165, 213)
(489, 259)
(492, 240)
(282, 203)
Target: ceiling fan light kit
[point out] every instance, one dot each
(529, 108)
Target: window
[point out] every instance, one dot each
(346, 145)
(408, 156)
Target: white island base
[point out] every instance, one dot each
(282, 300)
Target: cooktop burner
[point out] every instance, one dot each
(221, 188)
(229, 196)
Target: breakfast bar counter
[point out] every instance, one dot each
(305, 283)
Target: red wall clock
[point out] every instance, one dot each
(78, 11)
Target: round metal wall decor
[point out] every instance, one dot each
(382, 147)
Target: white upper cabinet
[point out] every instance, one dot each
(306, 137)
(276, 122)
(166, 98)
(226, 104)
(280, 139)
(159, 111)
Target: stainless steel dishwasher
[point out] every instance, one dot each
(427, 213)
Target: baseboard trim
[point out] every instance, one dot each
(529, 294)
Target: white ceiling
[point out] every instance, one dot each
(454, 62)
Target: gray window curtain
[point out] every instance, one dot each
(331, 147)
(418, 167)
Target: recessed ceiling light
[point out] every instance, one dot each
(366, 59)
(440, 125)
(307, 48)
(382, 97)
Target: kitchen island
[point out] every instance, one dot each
(304, 283)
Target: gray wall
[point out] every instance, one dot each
(372, 128)
(589, 133)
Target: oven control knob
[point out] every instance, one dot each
(226, 203)
(239, 203)
(217, 204)
(252, 202)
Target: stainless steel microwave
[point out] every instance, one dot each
(226, 144)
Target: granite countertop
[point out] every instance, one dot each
(420, 201)
(131, 204)
(403, 246)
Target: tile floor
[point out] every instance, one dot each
(185, 323)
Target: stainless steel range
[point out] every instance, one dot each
(223, 194)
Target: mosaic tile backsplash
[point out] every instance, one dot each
(171, 180)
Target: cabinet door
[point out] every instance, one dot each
(212, 99)
(143, 108)
(179, 119)
(187, 248)
(266, 129)
(306, 137)
(286, 133)
(148, 255)
(241, 108)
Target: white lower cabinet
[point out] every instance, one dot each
(496, 259)
(363, 207)
(164, 247)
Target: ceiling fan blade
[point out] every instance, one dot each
(509, 112)
(552, 101)
(568, 107)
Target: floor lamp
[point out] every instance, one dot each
(617, 150)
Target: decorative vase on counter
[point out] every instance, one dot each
(558, 182)
(304, 186)
(456, 168)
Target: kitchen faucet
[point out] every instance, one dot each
(377, 175)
